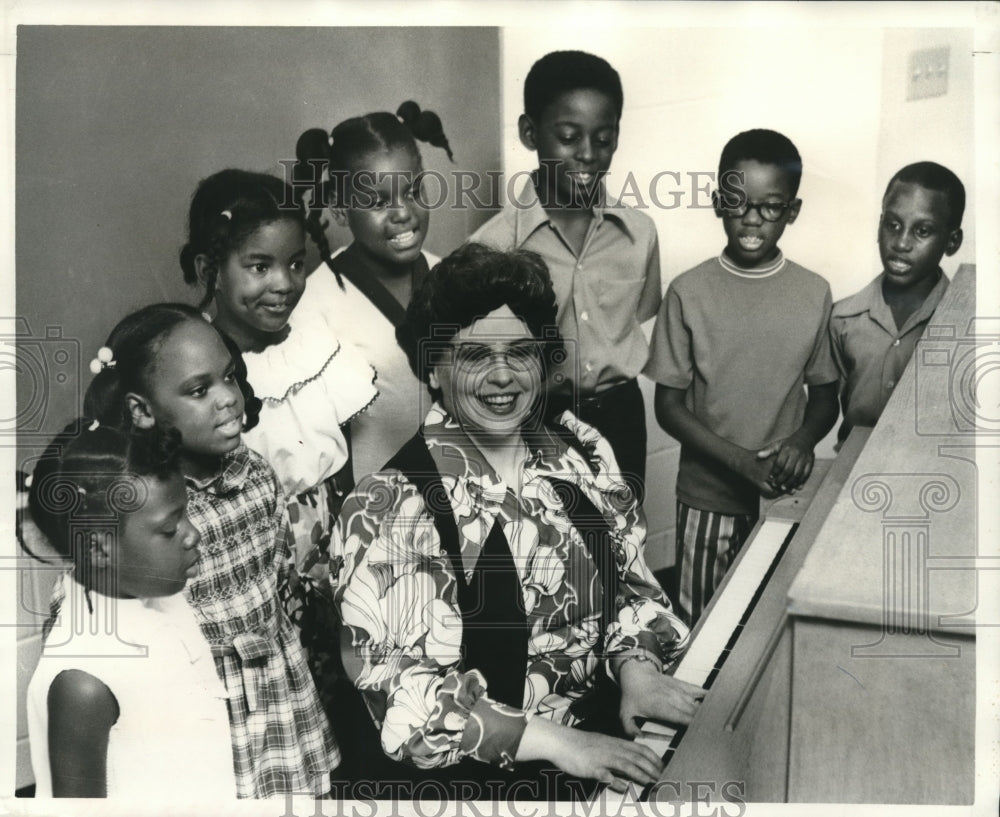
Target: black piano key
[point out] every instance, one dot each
(731, 643)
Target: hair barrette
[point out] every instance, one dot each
(227, 215)
(105, 360)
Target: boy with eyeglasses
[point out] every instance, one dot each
(873, 332)
(737, 342)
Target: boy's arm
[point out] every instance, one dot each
(839, 355)
(652, 290)
(680, 423)
(793, 456)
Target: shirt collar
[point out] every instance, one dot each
(231, 476)
(475, 489)
(871, 300)
(456, 455)
(366, 268)
(529, 214)
(765, 270)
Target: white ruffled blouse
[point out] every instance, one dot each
(311, 383)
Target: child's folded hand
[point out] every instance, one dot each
(757, 468)
(792, 464)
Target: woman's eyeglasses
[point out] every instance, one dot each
(520, 356)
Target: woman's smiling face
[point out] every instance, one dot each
(492, 378)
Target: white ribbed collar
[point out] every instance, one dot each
(763, 271)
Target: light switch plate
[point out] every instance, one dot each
(927, 74)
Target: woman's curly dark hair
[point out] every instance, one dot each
(469, 284)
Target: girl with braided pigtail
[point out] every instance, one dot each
(246, 247)
(371, 172)
(166, 368)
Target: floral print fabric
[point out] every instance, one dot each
(397, 594)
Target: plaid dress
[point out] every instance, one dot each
(281, 738)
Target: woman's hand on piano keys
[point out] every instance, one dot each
(648, 693)
(613, 761)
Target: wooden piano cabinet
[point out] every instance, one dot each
(883, 609)
(875, 728)
(739, 743)
(739, 737)
(854, 678)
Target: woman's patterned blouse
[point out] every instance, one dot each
(397, 595)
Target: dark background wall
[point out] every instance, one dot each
(115, 126)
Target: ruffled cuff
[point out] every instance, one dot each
(493, 733)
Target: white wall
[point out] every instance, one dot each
(938, 128)
(835, 91)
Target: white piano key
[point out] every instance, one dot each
(658, 743)
(658, 728)
(703, 654)
(721, 621)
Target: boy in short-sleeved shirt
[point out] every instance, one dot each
(873, 332)
(603, 257)
(736, 340)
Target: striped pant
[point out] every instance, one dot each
(707, 544)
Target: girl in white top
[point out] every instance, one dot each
(373, 170)
(246, 247)
(125, 701)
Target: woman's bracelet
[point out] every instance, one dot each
(638, 656)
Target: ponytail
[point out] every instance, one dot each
(425, 126)
(316, 150)
(312, 156)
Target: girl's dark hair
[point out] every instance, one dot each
(134, 344)
(225, 210)
(85, 479)
(325, 159)
(470, 283)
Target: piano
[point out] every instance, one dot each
(839, 653)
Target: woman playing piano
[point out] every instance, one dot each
(491, 579)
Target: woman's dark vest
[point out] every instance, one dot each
(494, 622)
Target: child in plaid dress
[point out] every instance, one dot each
(246, 249)
(171, 368)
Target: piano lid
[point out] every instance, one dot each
(900, 544)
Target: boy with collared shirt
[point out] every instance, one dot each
(735, 341)
(603, 257)
(873, 332)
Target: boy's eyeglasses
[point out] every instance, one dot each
(519, 356)
(767, 210)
